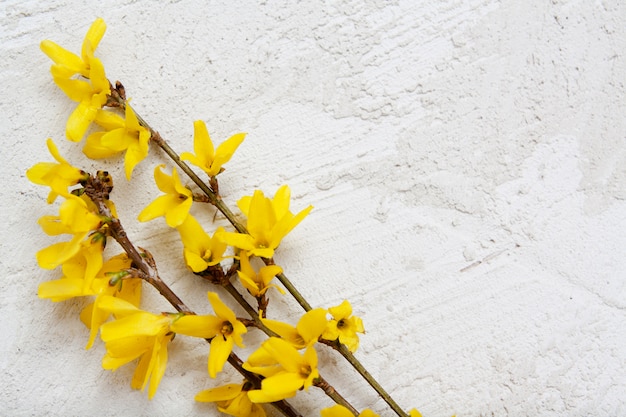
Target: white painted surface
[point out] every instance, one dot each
(466, 161)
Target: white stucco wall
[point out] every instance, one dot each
(466, 161)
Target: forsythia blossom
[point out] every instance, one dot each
(309, 328)
(91, 95)
(128, 289)
(79, 273)
(58, 176)
(66, 63)
(224, 329)
(232, 399)
(136, 334)
(285, 370)
(200, 250)
(257, 284)
(206, 158)
(121, 134)
(174, 205)
(269, 221)
(74, 218)
(344, 326)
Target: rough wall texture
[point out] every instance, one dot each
(466, 161)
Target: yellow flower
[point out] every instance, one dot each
(66, 63)
(344, 326)
(341, 411)
(122, 134)
(136, 334)
(309, 328)
(58, 176)
(294, 371)
(224, 329)
(415, 413)
(74, 218)
(174, 205)
(79, 272)
(257, 284)
(269, 221)
(127, 289)
(232, 399)
(206, 158)
(91, 95)
(200, 250)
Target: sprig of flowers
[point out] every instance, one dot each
(286, 363)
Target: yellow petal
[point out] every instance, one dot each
(194, 261)
(109, 120)
(159, 365)
(249, 284)
(177, 213)
(202, 144)
(262, 252)
(93, 36)
(221, 347)
(61, 289)
(139, 324)
(142, 371)
(197, 326)
(284, 330)
(331, 332)
(261, 218)
(95, 149)
(312, 324)
(244, 204)
(136, 152)
(54, 255)
(284, 353)
(164, 182)
(132, 123)
(179, 188)
(191, 158)
(54, 151)
(114, 362)
(79, 121)
(116, 140)
(221, 309)
(38, 171)
(238, 240)
(157, 208)
(223, 393)
(76, 90)
(342, 311)
(62, 56)
(286, 224)
(279, 386)
(281, 200)
(116, 305)
(267, 273)
(99, 82)
(224, 152)
(261, 396)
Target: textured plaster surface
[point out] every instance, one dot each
(466, 161)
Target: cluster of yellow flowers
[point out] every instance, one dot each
(284, 364)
